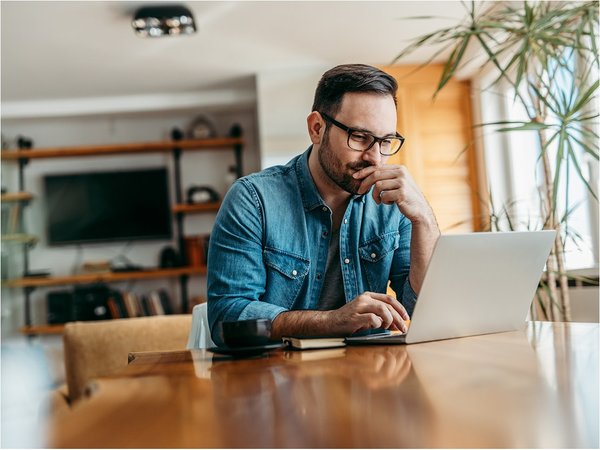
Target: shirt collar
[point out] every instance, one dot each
(311, 198)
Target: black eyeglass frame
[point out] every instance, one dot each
(351, 130)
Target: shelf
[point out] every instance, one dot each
(104, 277)
(16, 197)
(42, 329)
(136, 147)
(20, 238)
(186, 208)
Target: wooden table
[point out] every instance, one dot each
(532, 388)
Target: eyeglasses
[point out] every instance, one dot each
(361, 141)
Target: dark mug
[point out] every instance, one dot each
(246, 333)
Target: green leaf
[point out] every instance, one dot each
(585, 147)
(585, 98)
(453, 62)
(544, 98)
(579, 171)
(558, 164)
(529, 126)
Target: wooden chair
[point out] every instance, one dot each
(97, 349)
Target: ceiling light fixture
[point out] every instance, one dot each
(167, 20)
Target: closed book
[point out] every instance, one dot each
(130, 304)
(304, 343)
(145, 304)
(156, 304)
(165, 301)
(139, 306)
(118, 298)
(113, 308)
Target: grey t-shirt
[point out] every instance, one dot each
(332, 292)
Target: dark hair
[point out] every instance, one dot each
(351, 78)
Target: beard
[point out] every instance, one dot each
(334, 169)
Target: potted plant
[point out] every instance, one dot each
(528, 45)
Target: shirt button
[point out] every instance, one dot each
(294, 272)
(346, 261)
(345, 220)
(325, 234)
(324, 208)
(373, 255)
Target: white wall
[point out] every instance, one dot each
(199, 168)
(284, 99)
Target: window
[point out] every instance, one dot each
(515, 176)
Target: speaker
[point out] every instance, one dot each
(60, 307)
(90, 302)
(169, 258)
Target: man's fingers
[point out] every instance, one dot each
(390, 301)
(373, 320)
(363, 173)
(385, 307)
(372, 174)
(391, 188)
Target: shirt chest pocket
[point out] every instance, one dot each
(285, 276)
(376, 256)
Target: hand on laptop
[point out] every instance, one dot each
(370, 310)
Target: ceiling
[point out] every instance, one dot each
(57, 50)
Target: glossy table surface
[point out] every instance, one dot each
(532, 388)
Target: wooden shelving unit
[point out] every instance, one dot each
(120, 149)
(185, 208)
(174, 147)
(16, 197)
(108, 277)
(33, 330)
(20, 238)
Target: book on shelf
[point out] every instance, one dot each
(130, 300)
(116, 305)
(155, 304)
(113, 308)
(305, 343)
(145, 304)
(99, 302)
(165, 301)
(95, 267)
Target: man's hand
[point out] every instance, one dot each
(394, 184)
(370, 310)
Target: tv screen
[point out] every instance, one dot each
(108, 206)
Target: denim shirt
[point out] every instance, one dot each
(268, 248)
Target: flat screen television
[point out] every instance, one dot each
(108, 206)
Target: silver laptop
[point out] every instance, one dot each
(475, 283)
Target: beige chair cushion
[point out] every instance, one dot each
(56, 402)
(96, 349)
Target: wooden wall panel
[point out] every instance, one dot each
(438, 150)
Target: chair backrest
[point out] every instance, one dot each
(200, 332)
(96, 349)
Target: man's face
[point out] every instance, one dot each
(364, 111)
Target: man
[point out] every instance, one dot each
(312, 245)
